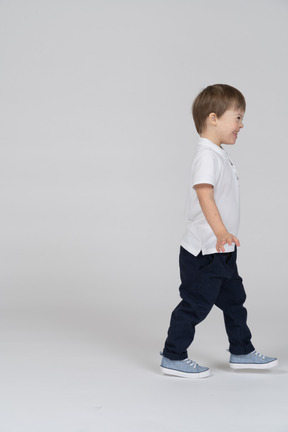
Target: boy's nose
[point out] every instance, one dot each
(241, 125)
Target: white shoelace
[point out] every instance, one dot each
(190, 363)
(259, 355)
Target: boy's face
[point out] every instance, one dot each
(228, 126)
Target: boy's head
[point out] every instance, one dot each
(217, 98)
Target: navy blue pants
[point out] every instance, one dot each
(207, 280)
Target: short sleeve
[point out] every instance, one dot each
(206, 168)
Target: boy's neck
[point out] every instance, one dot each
(211, 138)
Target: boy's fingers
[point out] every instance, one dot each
(220, 248)
(229, 240)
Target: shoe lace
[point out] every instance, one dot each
(259, 355)
(190, 363)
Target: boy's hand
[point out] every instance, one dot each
(226, 238)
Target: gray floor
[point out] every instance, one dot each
(72, 371)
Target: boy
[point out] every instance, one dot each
(208, 249)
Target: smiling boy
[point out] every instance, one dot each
(208, 251)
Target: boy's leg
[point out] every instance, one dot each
(199, 290)
(230, 300)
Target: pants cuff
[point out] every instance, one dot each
(240, 350)
(174, 356)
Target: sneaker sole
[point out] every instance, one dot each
(254, 365)
(191, 375)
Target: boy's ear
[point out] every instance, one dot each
(212, 118)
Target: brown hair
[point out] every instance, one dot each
(216, 98)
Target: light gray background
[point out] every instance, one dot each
(96, 144)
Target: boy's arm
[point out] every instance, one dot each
(205, 193)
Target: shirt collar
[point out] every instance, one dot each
(207, 143)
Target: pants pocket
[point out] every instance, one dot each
(205, 261)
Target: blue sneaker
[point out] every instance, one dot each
(183, 368)
(254, 360)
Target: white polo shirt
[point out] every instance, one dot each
(212, 165)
